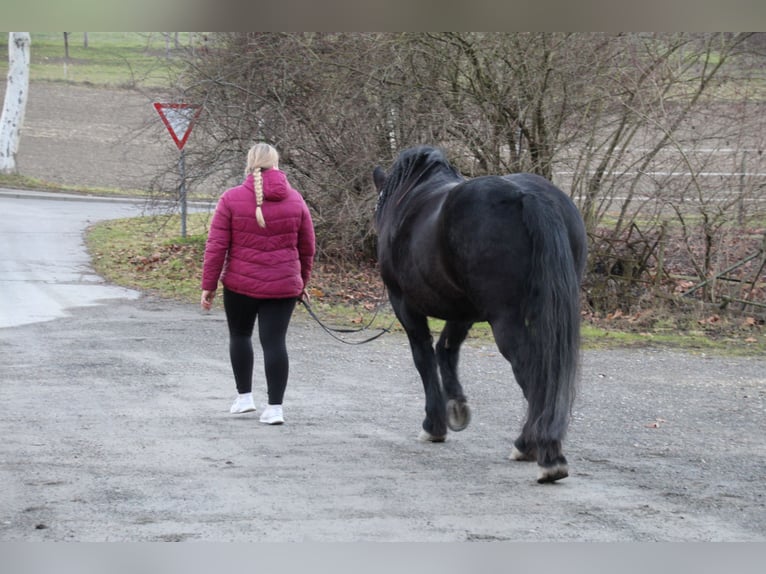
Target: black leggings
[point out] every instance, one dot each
(273, 319)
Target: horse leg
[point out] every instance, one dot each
(534, 442)
(525, 446)
(421, 345)
(447, 355)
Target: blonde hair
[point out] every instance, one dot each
(261, 156)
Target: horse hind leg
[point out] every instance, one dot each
(551, 463)
(523, 449)
(529, 445)
(510, 342)
(533, 445)
(537, 445)
(447, 356)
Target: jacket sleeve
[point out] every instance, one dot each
(306, 244)
(217, 246)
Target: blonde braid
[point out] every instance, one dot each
(258, 185)
(261, 156)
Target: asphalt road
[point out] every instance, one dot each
(44, 266)
(115, 427)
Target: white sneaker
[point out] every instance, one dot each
(243, 404)
(272, 415)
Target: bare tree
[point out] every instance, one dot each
(631, 125)
(16, 93)
(316, 98)
(656, 161)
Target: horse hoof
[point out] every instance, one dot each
(458, 415)
(426, 436)
(552, 473)
(516, 454)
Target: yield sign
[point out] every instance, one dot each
(178, 118)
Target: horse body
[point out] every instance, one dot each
(508, 250)
(430, 283)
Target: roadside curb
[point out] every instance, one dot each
(61, 196)
(52, 195)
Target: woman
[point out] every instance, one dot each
(261, 247)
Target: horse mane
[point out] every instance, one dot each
(414, 165)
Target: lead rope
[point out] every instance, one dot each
(331, 331)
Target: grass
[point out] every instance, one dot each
(148, 254)
(18, 181)
(113, 59)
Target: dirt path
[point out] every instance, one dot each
(93, 137)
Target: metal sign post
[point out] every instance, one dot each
(179, 119)
(182, 191)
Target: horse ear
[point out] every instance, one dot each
(379, 177)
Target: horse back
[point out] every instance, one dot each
(487, 232)
(482, 228)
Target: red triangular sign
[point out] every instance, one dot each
(179, 119)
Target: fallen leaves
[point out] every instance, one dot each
(682, 286)
(173, 257)
(354, 285)
(636, 317)
(614, 315)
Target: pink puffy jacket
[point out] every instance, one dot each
(274, 262)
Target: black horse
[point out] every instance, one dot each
(508, 250)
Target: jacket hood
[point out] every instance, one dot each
(275, 186)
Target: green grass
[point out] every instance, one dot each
(114, 59)
(149, 254)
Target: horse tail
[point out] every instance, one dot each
(552, 319)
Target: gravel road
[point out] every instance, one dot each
(115, 427)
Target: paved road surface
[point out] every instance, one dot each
(44, 267)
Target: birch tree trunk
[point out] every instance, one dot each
(15, 104)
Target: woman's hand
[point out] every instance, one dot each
(207, 299)
(305, 297)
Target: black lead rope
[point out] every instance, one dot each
(331, 331)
